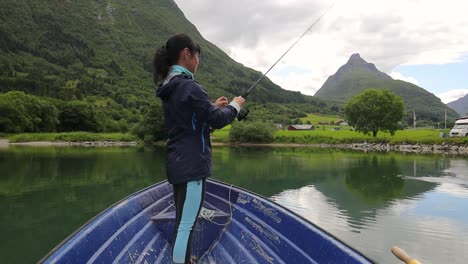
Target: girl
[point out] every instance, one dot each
(189, 114)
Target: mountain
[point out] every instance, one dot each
(101, 51)
(460, 105)
(358, 75)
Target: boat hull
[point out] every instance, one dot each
(237, 226)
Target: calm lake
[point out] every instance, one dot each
(372, 201)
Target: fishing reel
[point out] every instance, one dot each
(243, 113)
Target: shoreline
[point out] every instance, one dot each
(6, 143)
(447, 149)
(450, 149)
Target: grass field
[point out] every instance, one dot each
(325, 135)
(347, 136)
(71, 137)
(221, 135)
(314, 119)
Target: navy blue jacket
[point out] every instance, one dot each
(189, 114)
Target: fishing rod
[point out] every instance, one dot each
(245, 111)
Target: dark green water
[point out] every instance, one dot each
(371, 201)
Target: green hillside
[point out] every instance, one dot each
(358, 75)
(100, 52)
(315, 118)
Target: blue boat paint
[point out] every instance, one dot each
(190, 210)
(260, 231)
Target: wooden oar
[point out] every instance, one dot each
(401, 254)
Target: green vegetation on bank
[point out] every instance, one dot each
(258, 132)
(318, 136)
(347, 136)
(71, 137)
(254, 132)
(331, 134)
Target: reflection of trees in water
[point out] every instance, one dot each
(375, 178)
(425, 166)
(370, 182)
(269, 171)
(64, 187)
(31, 169)
(47, 193)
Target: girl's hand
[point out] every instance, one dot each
(221, 102)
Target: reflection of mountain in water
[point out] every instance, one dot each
(54, 190)
(358, 183)
(453, 180)
(371, 182)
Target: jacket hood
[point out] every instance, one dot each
(166, 88)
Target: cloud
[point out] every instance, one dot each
(398, 76)
(303, 81)
(414, 223)
(452, 95)
(387, 34)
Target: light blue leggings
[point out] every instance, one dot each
(189, 197)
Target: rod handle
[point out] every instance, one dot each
(244, 112)
(401, 254)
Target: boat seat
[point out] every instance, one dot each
(205, 213)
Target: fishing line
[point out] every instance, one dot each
(210, 217)
(243, 113)
(208, 214)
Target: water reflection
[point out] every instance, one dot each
(375, 201)
(375, 179)
(371, 201)
(46, 193)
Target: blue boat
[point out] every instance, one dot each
(235, 226)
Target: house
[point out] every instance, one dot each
(324, 123)
(301, 127)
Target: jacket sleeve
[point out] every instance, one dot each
(205, 110)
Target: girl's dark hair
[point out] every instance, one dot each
(168, 55)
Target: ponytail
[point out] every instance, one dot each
(168, 55)
(160, 65)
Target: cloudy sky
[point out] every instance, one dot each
(421, 41)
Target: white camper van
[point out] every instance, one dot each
(461, 128)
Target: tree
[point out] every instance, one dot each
(78, 116)
(375, 110)
(26, 113)
(297, 121)
(153, 124)
(13, 118)
(256, 132)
